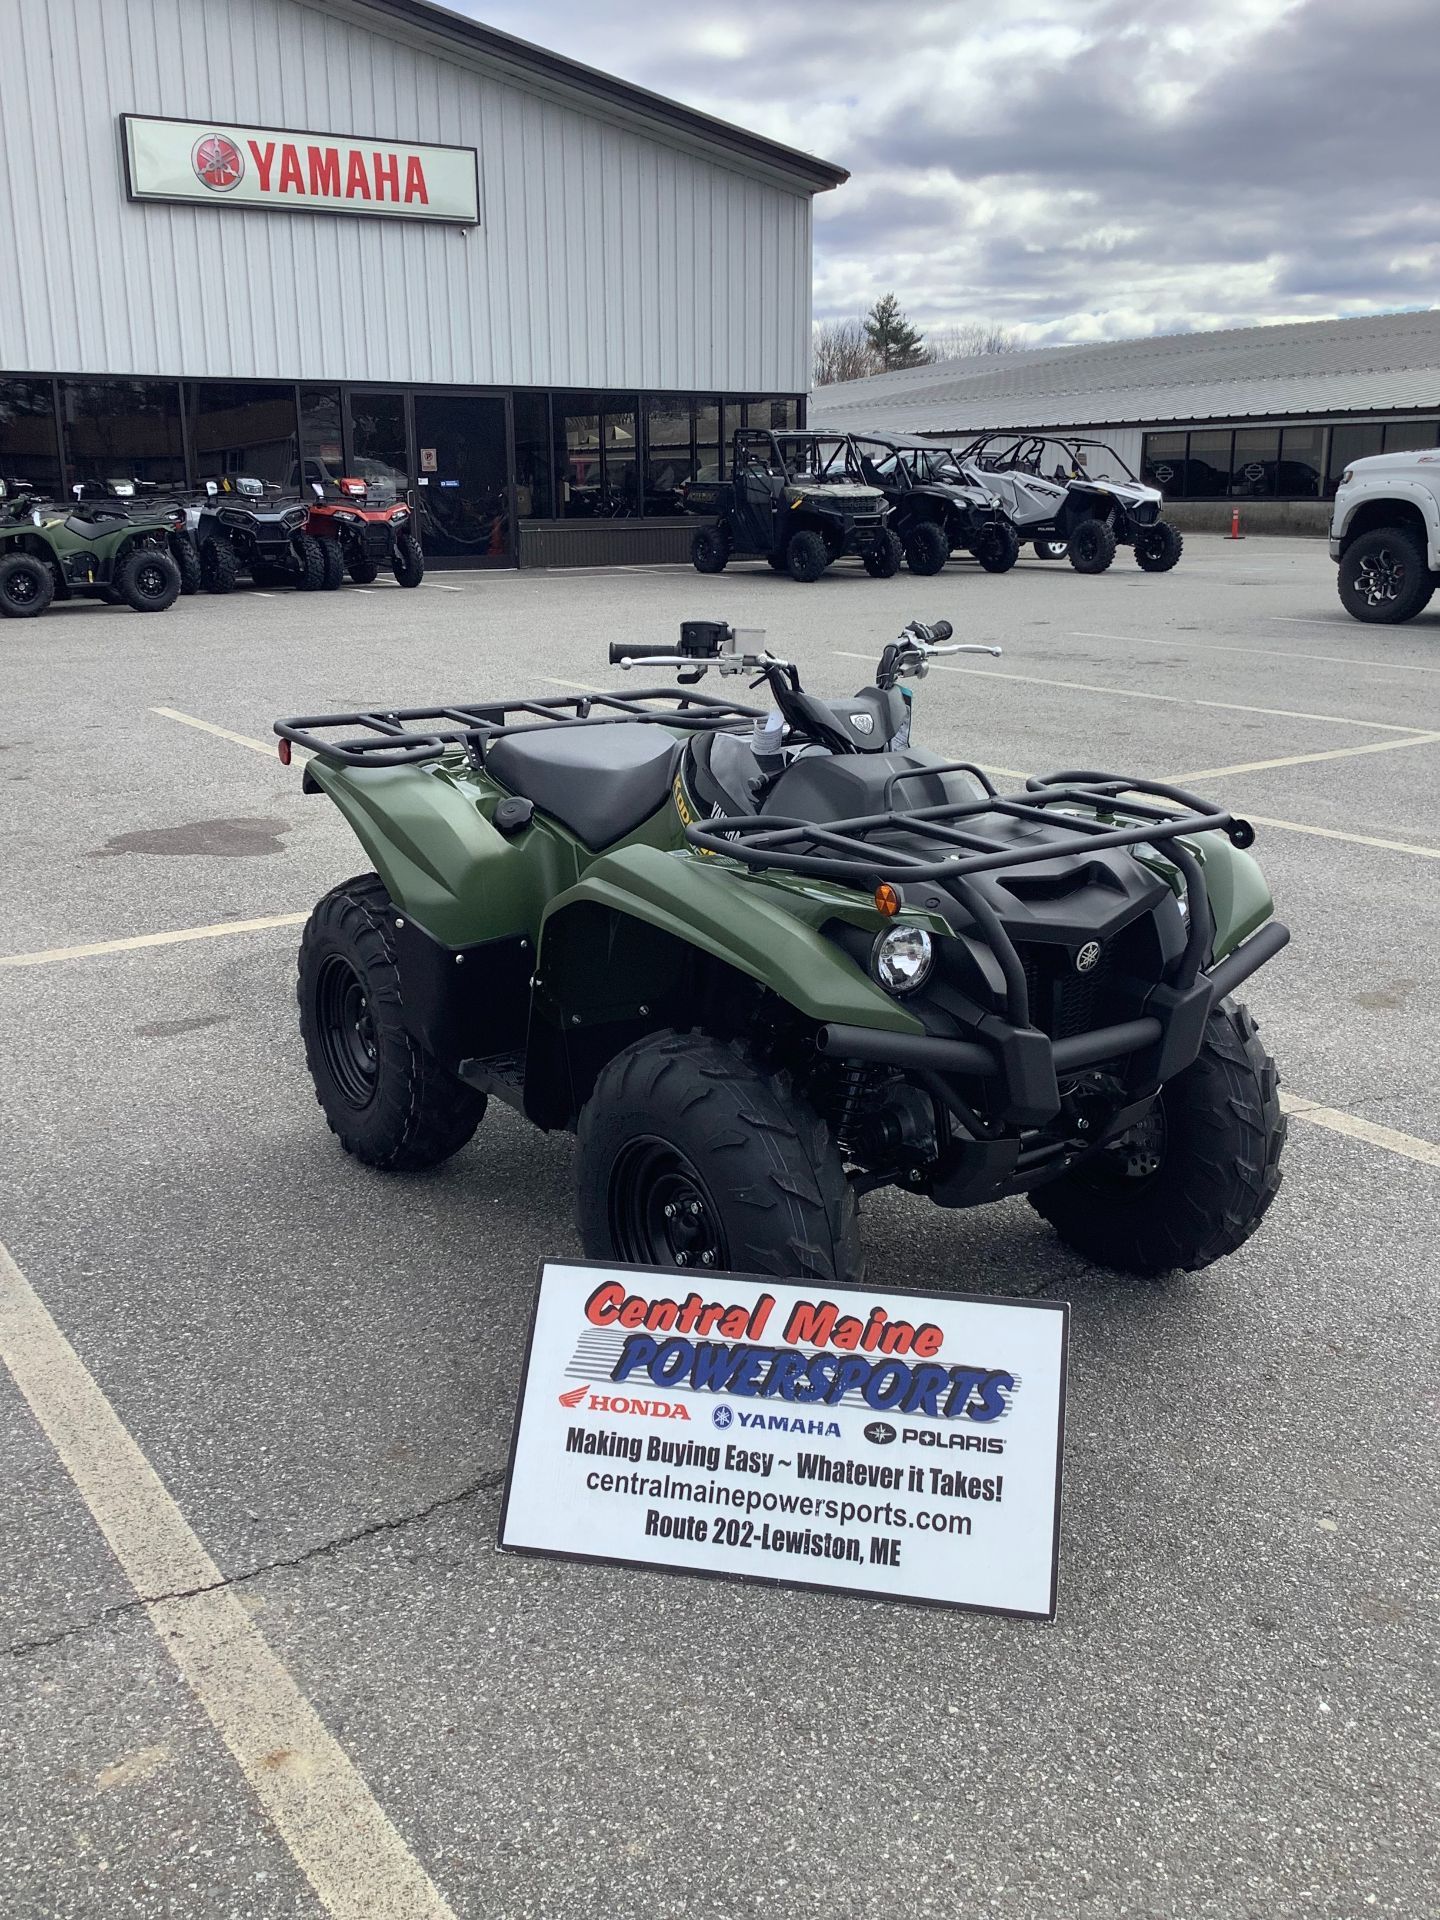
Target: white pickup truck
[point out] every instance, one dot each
(1386, 534)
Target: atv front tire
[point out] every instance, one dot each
(311, 555)
(386, 1098)
(927, 548)
(710, 550)
(1192, 1182)
(1050, 549)
(334, 564)
(806, 556)
(408, 566)
(883, 560)
(997, 547)
(689, 1154)
(1092, 546)
(1158, 548)
(187, 558)
(218, 566)
(362, 570)
(149, 580)
(1383, 577)
(27, 586)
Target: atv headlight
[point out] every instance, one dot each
(901, 958)
(400, 516)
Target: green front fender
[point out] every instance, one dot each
(1239, 897)
(735, 918)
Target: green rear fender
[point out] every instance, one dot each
(732, 917)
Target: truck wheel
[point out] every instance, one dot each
(218, 566)
(997, 547)
(27, 586)
(806, 556)
(386, 1098)
(311, 555)
(1157, 548)
(1092, 546)
(927, 549)
(149, 580)
(408, 566)
(710, 550)
(334, 563)
(688, 1154)
(882, 562)
(1050, 549)
(187, 559)
(1192, 1182)
(363, 571)
(1383, 576)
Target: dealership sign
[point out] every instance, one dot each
(857, 1439)
(208, 163)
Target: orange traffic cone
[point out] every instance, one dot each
(1235, 533)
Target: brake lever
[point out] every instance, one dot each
(970, 647)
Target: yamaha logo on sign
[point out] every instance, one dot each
(218, 162)
(1088, 958)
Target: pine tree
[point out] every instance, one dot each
(895, 342)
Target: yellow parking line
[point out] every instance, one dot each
(337, 1832)
(1427, 1152)
(172, 939)
(1305, 759)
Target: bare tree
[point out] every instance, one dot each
(963, 340)
(841, 350)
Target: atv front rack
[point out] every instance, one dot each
(389, 737)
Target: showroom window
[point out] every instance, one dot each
(668, 463)
(1207, 471)
(596, 441)
(709, 438)
(1163, 463)
(29, 456)
(125, 431)
(780, 415)
(244, 429)
(1257, 454)
(1411, 436)
(1302, 463)
(380, 440)
(1351, 443)
(534, 456)
(322, 442)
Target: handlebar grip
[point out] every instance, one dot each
(619, 651)
(941, 630)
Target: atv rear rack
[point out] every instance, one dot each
(390, 738)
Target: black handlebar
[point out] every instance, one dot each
(941, 630)
(620, 651)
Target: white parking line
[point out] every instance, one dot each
(1265, 653)
(335, 1829)
(1305, 759)
(221, 733)
(1355, 839)
(50, 955)
(1427, 1152)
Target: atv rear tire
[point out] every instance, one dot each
(311, 555)
(806, 556)
(927, 548)
(1092, 546)
(1158, 548)
(777, 563)
(883, 560)
(747, 1169)
(1383, 576)
(408, 566)
(363, 571)
(149, 580)
(997, 547)
(386, 1098)
(710, 550)
(27, 586)
(1192, 1182)
(187, 558)
(334, 563)
(1050, 549)
(218, 566)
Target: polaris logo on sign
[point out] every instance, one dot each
(270, 167)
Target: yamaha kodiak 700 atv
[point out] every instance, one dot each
(795, 499)
(935, 509)
(246, 528)
(762, 964)
(1074, 497)
(371, 529)
(89, 549)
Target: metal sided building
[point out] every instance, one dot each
(304, 238)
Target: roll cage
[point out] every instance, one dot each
(1048, 456)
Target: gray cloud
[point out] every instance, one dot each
(1079, 169)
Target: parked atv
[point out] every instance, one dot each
(370, 528)
(92, 548)
(797, 500)
(1065, 498)
(181, 509)
(934, 508)
(763, 964)
(245, 527)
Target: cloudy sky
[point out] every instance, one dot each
(1075, 169)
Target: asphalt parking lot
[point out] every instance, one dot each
(313, 1368)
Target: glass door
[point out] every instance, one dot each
(463, 482)
(379, 441)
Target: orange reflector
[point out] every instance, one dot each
(887, 901)
(284, 753)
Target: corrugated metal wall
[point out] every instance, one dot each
(603, 259)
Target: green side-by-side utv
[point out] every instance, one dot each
(763, 963)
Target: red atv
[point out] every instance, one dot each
(369, 528)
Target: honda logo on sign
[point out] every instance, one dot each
(298, 172)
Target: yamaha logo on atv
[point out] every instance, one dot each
(863, 722)
(218, 162)
(1088, 958)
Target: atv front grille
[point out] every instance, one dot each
(1063, 1001)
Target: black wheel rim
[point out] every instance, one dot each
(1138, 1155)
(346, 1029)
(661, 1212)
(150, 580)
(23, 587)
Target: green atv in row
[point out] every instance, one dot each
(764, 963)
(101, 549)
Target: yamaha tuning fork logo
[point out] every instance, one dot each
(1088, 957)
(218, 162)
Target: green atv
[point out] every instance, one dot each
(762, 964)
(94, 548)
(797, 500)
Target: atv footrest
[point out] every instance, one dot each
(500, 1074)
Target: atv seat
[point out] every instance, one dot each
(599, 781)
